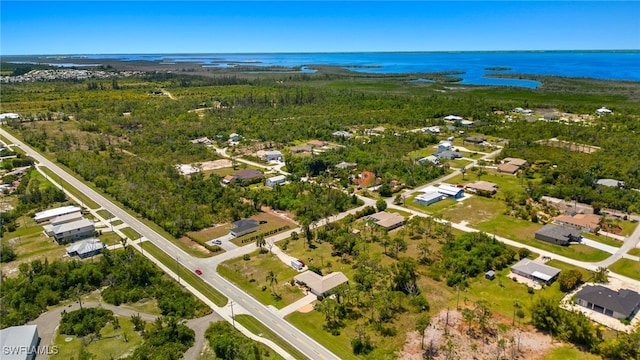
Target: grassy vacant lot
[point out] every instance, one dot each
(634, 251)
(110, 238)
(259, 329)
(105, 214)
(86, 201)
(568, 352)
(130, 233)
(30, 243)
(627, 268)
(110, 345)
(186, 274)
(311, 323)
(250, 275)
(586, 274)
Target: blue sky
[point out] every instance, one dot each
(116, 27)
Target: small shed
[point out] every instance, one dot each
(490, 275)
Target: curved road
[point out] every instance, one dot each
(288, 332)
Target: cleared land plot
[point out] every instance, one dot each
(259, 329)
(110, 345)
(312, 325)
(634, 251)
(186, 275)
(251, 276)
(130, 233)
(110, 238)
(627, 268)
(568, 352)
(30, 243)
(105, 214)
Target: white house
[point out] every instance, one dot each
(52, 213)
(603, 110)
(275, 181)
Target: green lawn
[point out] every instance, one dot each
(627, 268)
(186, 275)
(105, 214)
(603, 239)
(634, 251)
(110, 238)
(258, 328)
(110, 345)
(250, 276)
(86, 201)
(117, 222)
(568, 352)
(130, 233)
(312, 325)
(586, 274)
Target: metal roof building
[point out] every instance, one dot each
(19, 342)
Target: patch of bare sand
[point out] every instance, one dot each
(306, 309)
(465, 342)
(215, 164)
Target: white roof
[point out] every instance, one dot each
(539, 275)
(448, 189)
(85, 246)
(428, 196)
(17, 337)
(9, 116)
(603, 110)
(64, 227)
(51, 213)
(452, 117)
(277, 178)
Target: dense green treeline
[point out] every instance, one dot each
(127, 276)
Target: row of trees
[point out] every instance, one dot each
(127, 276)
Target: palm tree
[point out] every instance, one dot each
(272, 279)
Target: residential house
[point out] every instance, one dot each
(365, 179)
(23, 339)
(582, 222)
(452, 118)
(203, 140)
(444, 146)
(85, 248)
(387, 220)
(429, 198)
(558, 234)
(448, 155)
(490, 275)
(9, 116)
(243, 227)
(71, 231)
(603, 111)
(272, 155)
(621, 304)
(298, 149)
(535, 271)
(345, 165)
(432, 129)
(46, 215)
(234, 137)
(66, 218)
(342, 133)
(247, 175)
(320, 285)
(276, 180)
(610, 183)
(431, 159)
(317, 143)
(481, 186)
(508, 168)
(474, 139)
(451, 191)
(514, 161)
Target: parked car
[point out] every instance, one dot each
(198, 272)
(217, 242)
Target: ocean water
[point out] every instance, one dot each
(614, 65)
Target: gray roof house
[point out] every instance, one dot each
(535, 271)
(448, 155)
(320, 285)
(556, 234)
(244, 226)
(71, 231)
(85, 248)
(24, 340)
(621, 304)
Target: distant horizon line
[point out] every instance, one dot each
(325, 52)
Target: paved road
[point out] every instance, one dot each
(288, 332)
